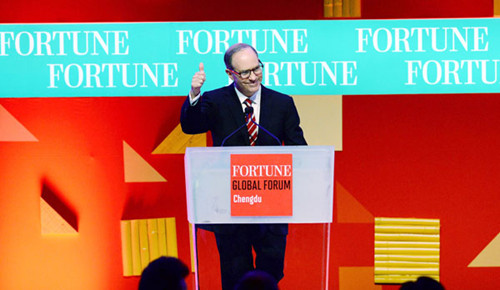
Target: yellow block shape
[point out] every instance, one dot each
(176, 142)
(489, 256)
(145, 240)
(136, 169)
(321, 119)
(405, 249)
(52, 222)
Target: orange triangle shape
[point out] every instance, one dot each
(177, 141)
(489, 256)
(11, 130)
(349, 210)
(52, 222)
(137, 169)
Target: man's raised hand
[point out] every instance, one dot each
(197, 81)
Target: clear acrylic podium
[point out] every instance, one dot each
(213, 189)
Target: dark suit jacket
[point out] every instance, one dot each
(220, 112)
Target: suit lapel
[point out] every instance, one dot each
(265, 110)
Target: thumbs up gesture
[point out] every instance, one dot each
(197, 81)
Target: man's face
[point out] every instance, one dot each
(245, 60)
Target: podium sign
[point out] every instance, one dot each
(262, 184)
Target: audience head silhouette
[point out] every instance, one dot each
(164, 273)
(257, 280)
(422, 283)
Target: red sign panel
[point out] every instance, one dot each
(261, 185)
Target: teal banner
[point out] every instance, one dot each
(317, 57)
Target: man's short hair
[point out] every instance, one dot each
(228, 56)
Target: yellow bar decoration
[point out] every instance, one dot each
(126, 237)
(136, 248)
(144, 243)
(405, 264)
(153, 239)
(191, 246)
(162, 237)
(407, 221)
(407, 244)
(409, 258)
(406, 229)
(328, 8)
(405, 249)
(145, 240)
(171, 238)
(406, 237)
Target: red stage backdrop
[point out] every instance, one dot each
(424, 156)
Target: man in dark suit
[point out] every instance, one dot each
(222, 112)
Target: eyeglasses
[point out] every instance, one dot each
(246, 73)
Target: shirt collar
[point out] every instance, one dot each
(255, 98)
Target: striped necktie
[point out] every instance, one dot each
(251, 124)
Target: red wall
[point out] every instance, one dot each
(428, 156)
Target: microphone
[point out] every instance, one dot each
(248, 111)
(265, 130)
